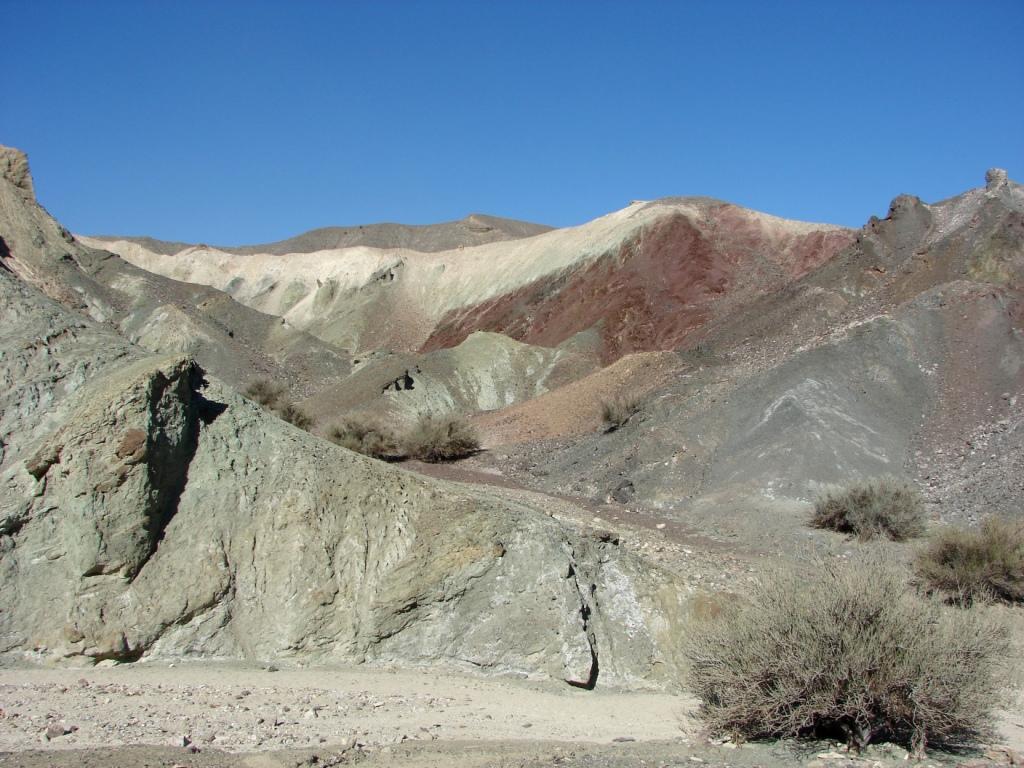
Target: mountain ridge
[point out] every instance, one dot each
(473, 229)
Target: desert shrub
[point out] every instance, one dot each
(983, 564)
(884, 507)
(264, 392)
(845, 649)
(366, 436)
(441, 438)
(272, 397)
(293, 414)
(615, 413)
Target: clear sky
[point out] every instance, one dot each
(239, 122)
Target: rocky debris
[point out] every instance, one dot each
(979, 475)
(242, 709)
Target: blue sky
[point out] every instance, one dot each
(239, 122)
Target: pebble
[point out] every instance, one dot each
(56, 730)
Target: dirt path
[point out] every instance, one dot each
(236, 716)
(239, 708)
(701, 562)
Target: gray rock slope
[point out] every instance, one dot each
(902, 356)
(485, 372)
(475, 229)
(146, 510)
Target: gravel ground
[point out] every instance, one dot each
(212, 714)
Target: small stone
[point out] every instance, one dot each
(660, 526)
(56, 730)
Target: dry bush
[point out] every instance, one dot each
(985, 564)
(364, 435)
(264, 392)
(441, 438)
(272, 397)
(884, 507)
(293, 414)
(846, 650)
(615, 413)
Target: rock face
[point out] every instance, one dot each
(14, 169)
(995, 178)
(146, 510)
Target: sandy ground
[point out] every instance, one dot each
(238, 708)
(217, 714)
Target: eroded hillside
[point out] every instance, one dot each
(149, 511)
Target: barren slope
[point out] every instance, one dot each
(475, 229)
(644, 278)
(148, 511)
(903, 355)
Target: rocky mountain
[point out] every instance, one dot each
(147, 511)
(903, 355)
(648, 277)
(771, 357)
(160, 315)
(766, 359)
(475, 229)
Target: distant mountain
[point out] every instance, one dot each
(644, 278)
(475, 229)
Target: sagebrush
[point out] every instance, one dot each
(884, 507)
(615, 413)
(984, 564)
(264, 392)
(441, 438)
(845, 649)
(365, 435)
(293, 414)
(272, 397)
